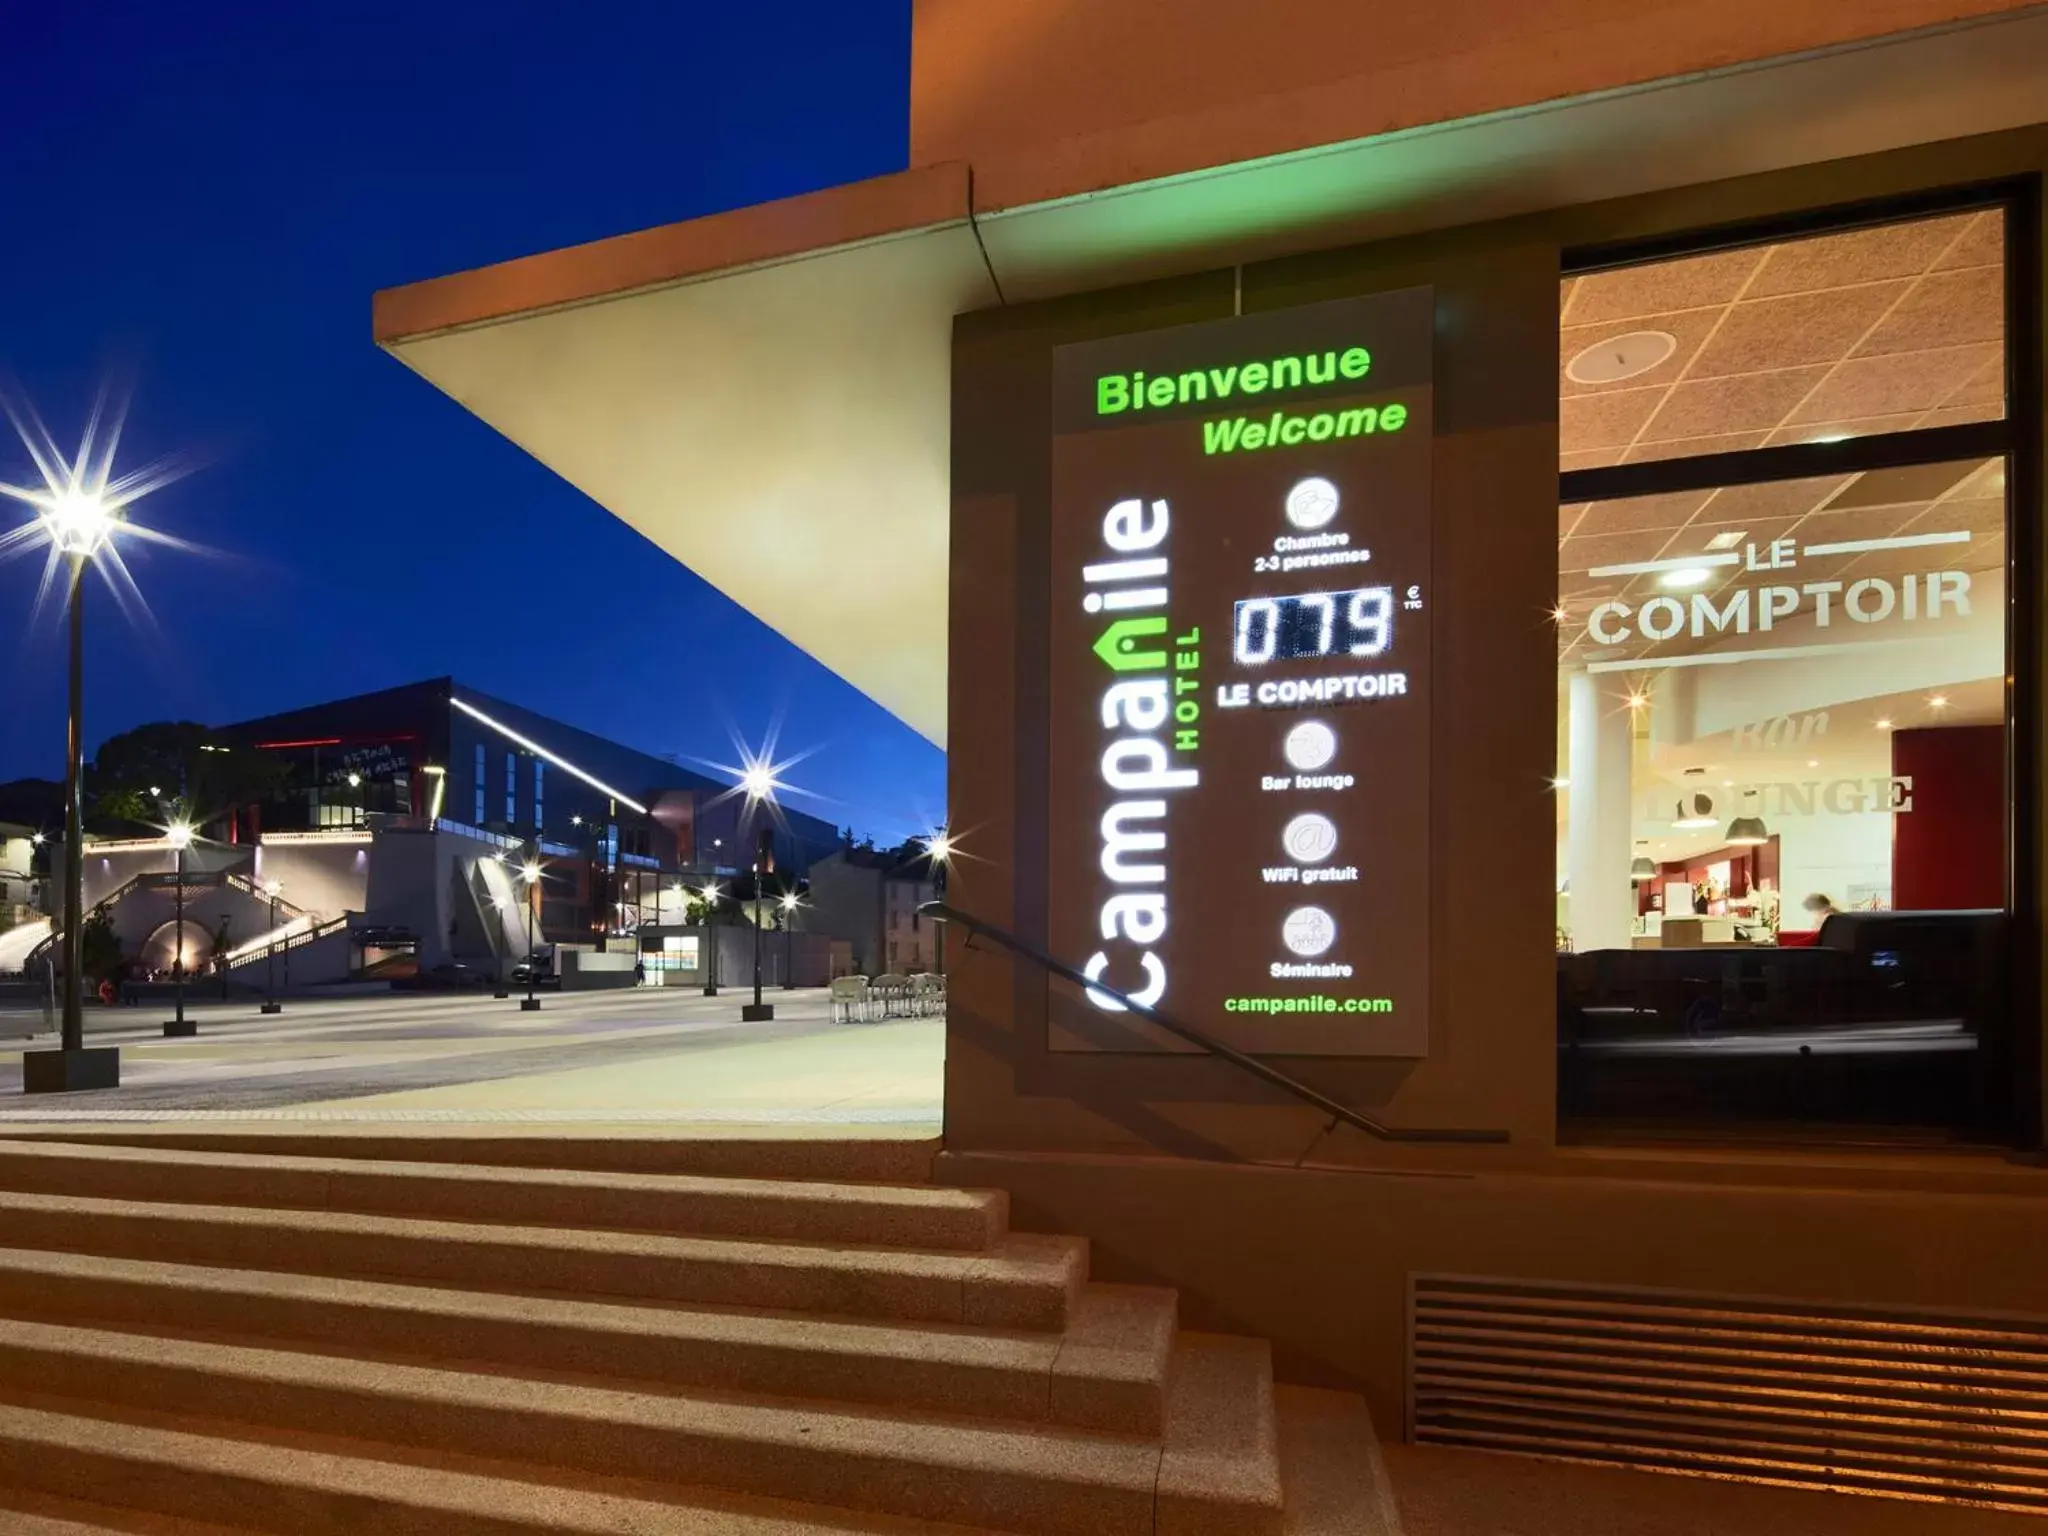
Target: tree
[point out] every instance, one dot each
(182, 762)
(33, 803)
(99, 946)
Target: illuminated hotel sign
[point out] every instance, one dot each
(1240, 665)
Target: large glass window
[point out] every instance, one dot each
(1783, 684)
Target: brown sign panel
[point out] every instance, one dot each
(1240, 632)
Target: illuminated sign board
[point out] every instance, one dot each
(1240, 663)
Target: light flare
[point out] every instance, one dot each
(82, 508)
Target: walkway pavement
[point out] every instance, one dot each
(649, 1056)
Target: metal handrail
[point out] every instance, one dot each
(939, 911)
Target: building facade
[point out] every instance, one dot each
(871, 899)
(1652, 890)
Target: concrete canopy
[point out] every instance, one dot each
(765, 393)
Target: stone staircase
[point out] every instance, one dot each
(199, 1341)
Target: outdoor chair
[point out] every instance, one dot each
(850, 1000)
(927, 994)
(892, 991)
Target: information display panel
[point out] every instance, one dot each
(1239, 675)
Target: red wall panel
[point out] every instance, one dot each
(1949, 850)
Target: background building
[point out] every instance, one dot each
(870, 898)
(445, 752)
(394, 834)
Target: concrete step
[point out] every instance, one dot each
(1219, 1462)
(917, 1216)
(609, 1149)
(1106, 1371)
(138, 1471)
(1330, 1467)
(1214, 1471)
(1022, 1282)
(25, 1513)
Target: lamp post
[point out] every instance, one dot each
(789, 906)
(80, 507)
(271, 888)
(78, 523)
(180, 835)
(757, 1011)
(710, 895)
(531, 874)
(941, 847)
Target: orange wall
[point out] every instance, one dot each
(1160, 86)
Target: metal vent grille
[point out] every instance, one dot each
(1912, 1404)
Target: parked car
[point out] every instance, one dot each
(538, 967)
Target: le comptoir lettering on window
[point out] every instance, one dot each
(1762, 608)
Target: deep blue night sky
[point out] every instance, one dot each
(205, 194)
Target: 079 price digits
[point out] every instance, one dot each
(1355, 623)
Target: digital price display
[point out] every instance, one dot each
(1314, 624)
(1238, 790)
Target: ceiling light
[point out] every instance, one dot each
(1621, 357)
(1686, 576)
(1558, 614)
(1747, 830)
(1884, 725)
(1813, 762)
(1937, 701)
(1728, 540)
(1694, 812)
(1637, 700)
(1642, 869)
(1560, 783)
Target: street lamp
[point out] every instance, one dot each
(180, 834)
(789, 906)
(759, 780)
(710, 961)
(77, 524)
(79, 508)
(757, 1011)
(271, 888)
(941, 845)
(531, 874)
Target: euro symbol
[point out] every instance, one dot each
(1119, 644)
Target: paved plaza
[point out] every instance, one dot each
(648, 1055)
